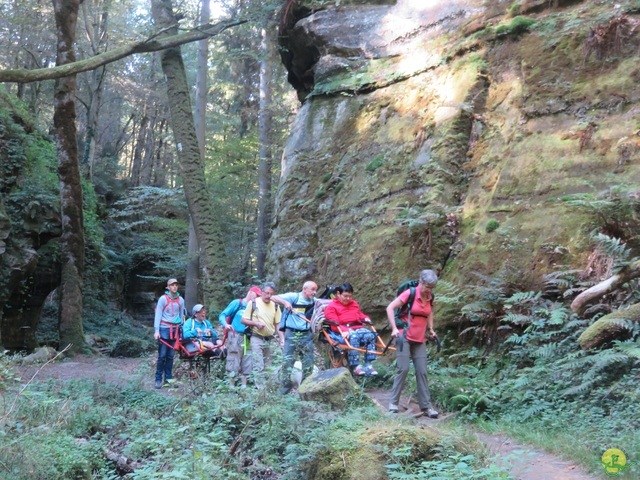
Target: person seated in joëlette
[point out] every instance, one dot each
(347, 320)
(199, 329)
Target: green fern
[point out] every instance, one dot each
(579, 389)
(517, 319)
(559, 316)
(522, 382)
(615, 248)
(520, 298)
(546, 351)
(516, 339)
(533, 411)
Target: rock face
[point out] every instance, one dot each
(29, 226)
(447, 135)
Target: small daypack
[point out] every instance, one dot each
(328, 293)
(404, 311)
(229, 318)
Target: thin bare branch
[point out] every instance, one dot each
(26, 385)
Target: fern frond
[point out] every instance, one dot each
(616, 248)
(517, 319)
(522, 381)
(532, 411)
(631, 349)
(449, 294)
(515, 339)
(607, 358)
(574, 325)
(558, 316)
(546, 351)
(522, 297)
(467, 330)
(579, 389)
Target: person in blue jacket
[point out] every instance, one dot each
(238, 363)
(199, 329)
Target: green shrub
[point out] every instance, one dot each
(516, 26)
(492, 225)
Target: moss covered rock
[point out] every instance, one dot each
(609, 328)
(328, 386)
(371, 452)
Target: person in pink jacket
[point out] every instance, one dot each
(349, 324)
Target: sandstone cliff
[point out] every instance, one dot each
(449, 135)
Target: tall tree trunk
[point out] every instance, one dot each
(200, 206)
(149, 150)
(264, 138)
(72, 239)
(200, 118)
(96, 31)
(141, 140)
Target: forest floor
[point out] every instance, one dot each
(522, 461)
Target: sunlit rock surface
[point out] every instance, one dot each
(448, 135)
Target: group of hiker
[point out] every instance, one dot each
(254, 323)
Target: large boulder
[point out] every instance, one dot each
(369, 453)
(328, 386)
(41, 355)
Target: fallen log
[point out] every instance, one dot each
(123, 464)
(598, 291)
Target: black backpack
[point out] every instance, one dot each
(329, 292)
(404, 310)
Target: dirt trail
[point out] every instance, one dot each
(524, 462)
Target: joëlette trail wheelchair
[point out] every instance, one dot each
(335, 346)
(194, 351)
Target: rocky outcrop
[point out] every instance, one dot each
(29, 226)
(447, 135)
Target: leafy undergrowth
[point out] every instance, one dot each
(80, 429)
(528, 377)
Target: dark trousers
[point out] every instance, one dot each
(165, 356)
(296, 343)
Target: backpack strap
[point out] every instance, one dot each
(236, 310)
(412, 297)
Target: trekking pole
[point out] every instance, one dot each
(388, 345)
(438, 344)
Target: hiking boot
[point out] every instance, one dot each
(158, 384)
(430, 412)
(370, 371)
(359, 371)
(393, 408)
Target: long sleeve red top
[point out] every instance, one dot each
(348, 316)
